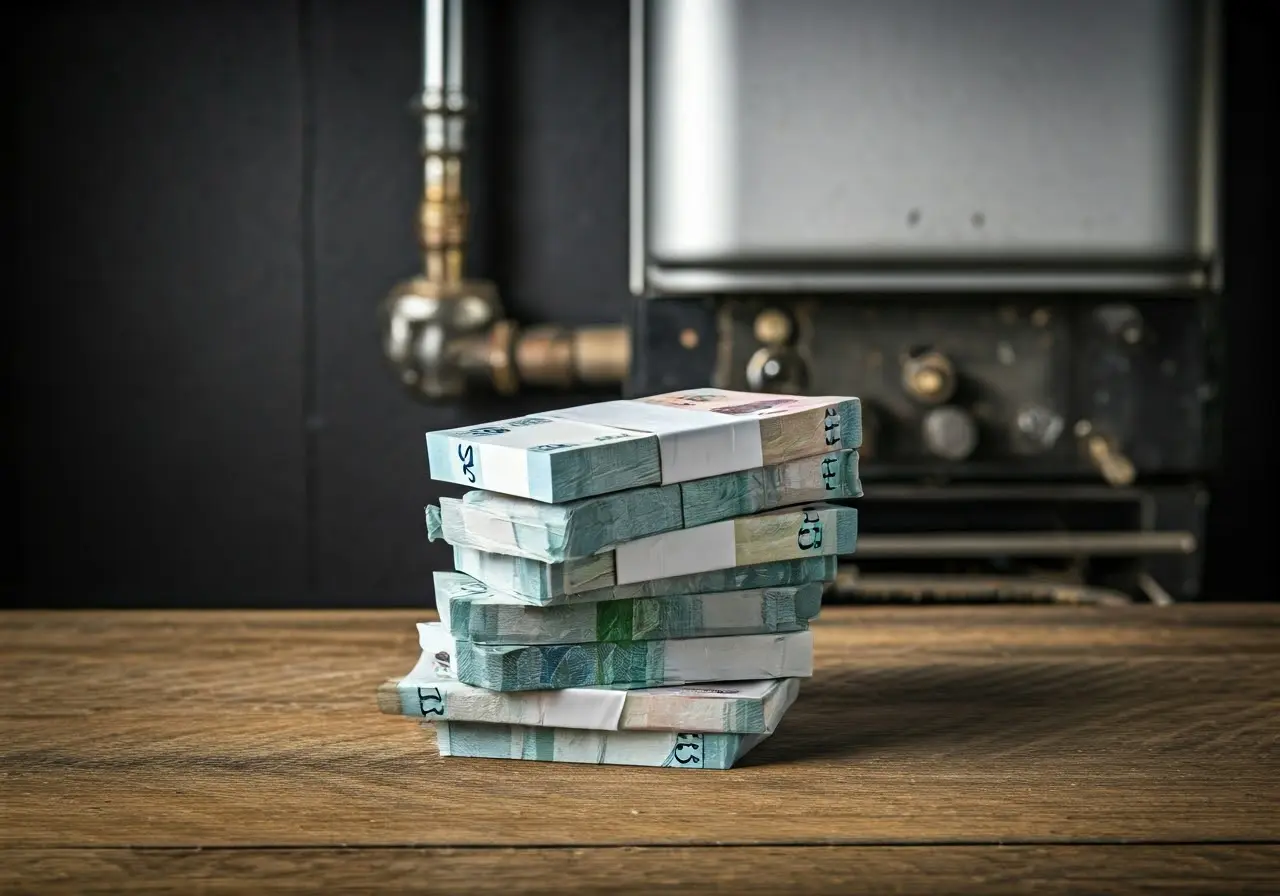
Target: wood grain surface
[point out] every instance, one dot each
(1193, 870)
(948, 750)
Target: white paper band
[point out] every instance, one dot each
(599, 710)
(693, 444)
(678, 553)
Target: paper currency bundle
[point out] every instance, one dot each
(634, 580)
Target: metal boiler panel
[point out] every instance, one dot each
(927, 144)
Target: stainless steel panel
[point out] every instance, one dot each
(827, 144)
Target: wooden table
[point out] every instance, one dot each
(984, 750)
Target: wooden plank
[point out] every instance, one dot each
(159, 430)
(922, 725)
(985, 870)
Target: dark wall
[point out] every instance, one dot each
(210, 199)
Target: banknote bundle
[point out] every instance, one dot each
(633, 581)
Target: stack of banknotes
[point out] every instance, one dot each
(634, 580)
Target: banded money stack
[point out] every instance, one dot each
(634, 580)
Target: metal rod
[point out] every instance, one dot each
(1154, 591)
(453, 51)
(1030, 544)
(443, 106)
(968, 589)
(1016, 491)
(433, 47)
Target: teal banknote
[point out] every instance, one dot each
(727, 707)
(609, 446)
(631, 664)
(659, 749)
(553, 533)
(789, 534)
(514, 576)
(472, 611)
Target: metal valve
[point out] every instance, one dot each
(949, 433)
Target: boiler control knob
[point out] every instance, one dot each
(777, 369)
(950, 433)
(929, 377)
(1105, 455)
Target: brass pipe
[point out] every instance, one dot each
(564, 357)
(446, 335)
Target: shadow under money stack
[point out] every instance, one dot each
(634, 579)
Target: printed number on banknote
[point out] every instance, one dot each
(688, 749)
(830, 471)
(809, 538)
(430, 701)
(831, 426)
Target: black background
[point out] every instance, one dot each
(209, 199)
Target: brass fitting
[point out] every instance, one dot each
(442, 220)
(430, 331)
(773, 327)
(563, 357)
(929, 377)
(449, 339)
